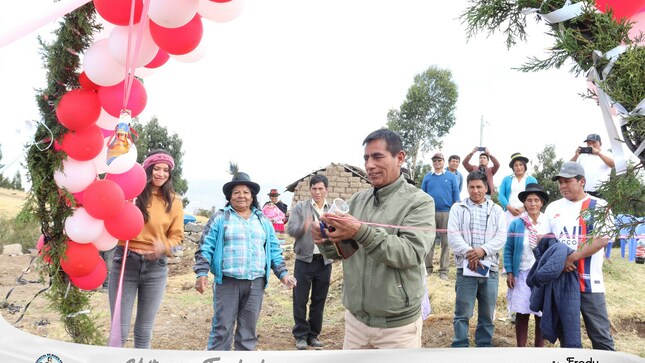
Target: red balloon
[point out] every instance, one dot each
(103, 199)
(180, 40)
(131, 182)
(92, 281)
(159, 60)
(78, 109)
(111, 98)
(84, 144)
(117, 12)
(127, 224)
(80, 259)
(86, 83)
(220, 1)
(39, 247)
(621, 8)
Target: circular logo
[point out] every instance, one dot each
(49, 358)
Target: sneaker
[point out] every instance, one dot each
(443, 276)
(314, 342)
(301, 344)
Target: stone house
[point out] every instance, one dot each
(344, 181)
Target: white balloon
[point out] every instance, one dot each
(118, 165)
(105, 241)
(172, 13)
(144, 72)
(100, 66)
(82, 228)
(107, 121)
(75, 175)
(119, 44)
(192, 56)
(220, 12)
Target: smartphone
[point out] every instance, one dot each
(481, 148)
(346, 248)
(482, 270)
(586, 149)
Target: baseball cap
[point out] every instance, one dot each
(437, 156)
(593, 137)
(570, 169)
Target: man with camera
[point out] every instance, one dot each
(483, 167)
(596, 163)
(391, 227)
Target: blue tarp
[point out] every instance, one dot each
(188, 218)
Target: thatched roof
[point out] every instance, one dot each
(356, 171)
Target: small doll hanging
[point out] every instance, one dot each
(120, 143)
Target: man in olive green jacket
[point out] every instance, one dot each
(392, 227)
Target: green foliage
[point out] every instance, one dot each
(625, 194)
(546, 167)
(426, 115)
(492, 15)
(420, 172)
(153, 136)
(17, 230)
(61, 61)
(205, 212)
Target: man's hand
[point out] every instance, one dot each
(201, 284)
(340, 227)
(569, 263)
(289, 281)
(475, 254)
(316, 235)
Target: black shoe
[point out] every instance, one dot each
(301, 344)
(314, 342)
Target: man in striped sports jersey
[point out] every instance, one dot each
(573, 227)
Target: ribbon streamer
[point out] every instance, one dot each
(566, 12)
(115, 330)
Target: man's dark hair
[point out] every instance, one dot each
(392, 139)
(477, 175)
(318, 179)
(486, 155)
(452, 157)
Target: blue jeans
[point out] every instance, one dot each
(145, 280)
(467, 290)
(236, 301)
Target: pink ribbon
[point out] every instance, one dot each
(115, 330)
(131, 57)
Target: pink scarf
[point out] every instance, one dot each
(532, 231)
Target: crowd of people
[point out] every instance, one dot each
(551, 259)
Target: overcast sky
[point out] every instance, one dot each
(291, 86)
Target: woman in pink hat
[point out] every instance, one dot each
(276, 211)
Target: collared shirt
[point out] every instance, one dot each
(244, 257)
(478, 222)
(517, 186)
(438, 173)
(320, 212)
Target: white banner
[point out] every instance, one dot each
(17, 346)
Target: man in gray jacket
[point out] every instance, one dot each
(476, 234)
(311, 270)
(390, 227)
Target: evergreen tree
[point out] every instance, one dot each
(546, 167)
(16, 183)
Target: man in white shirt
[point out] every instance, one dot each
(573, 227)
(596, 163)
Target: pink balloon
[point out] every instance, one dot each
(180, 40)
(106, 121)
(638, 27)
(160, 59)
(111, 98)
(118, 11)
(127, 224)
(100, 66)
(105, 241)
(220, 11)
(621, 8)
(131, 182)
(93, 280)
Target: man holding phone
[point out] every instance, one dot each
(484, 158)
(596, 163)
(476, 234)
(393, 226)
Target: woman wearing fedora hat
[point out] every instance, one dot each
(276, 211)
(240, 248)
(523, 236)
(512, 185)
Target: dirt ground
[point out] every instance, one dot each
(184, 320)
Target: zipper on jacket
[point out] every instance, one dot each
(405, 293)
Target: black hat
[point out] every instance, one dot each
(593, 137)
(536, 189)
(517, 156)
(238, 179)
(570, 169)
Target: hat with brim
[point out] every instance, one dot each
(533, 188)
(570, 169)
(241, 179)
(273, 193)
(517, 156)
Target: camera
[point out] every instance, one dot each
(481, 148)
(586, 149)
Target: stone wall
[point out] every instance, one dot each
(342, 184)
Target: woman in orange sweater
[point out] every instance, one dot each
(146, 268)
